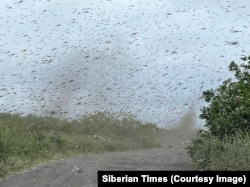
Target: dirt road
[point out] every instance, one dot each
(81, 171)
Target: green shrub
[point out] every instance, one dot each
(228, 110)
(210, 152)
(225, 145)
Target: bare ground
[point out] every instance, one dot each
(81, 171)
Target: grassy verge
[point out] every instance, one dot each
(212, 153)
(30, 140)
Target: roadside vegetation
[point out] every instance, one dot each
(30, 140)
(225, 144)
(26, 141)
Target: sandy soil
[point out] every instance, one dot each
(82, 170)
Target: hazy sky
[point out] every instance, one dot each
(152, 58)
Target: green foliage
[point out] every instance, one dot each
(226, 144)
(29, 140)
(210, 152)
(228, 111)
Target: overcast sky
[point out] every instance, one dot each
(152, 58)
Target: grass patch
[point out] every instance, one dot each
(210, 152)
(30, 140)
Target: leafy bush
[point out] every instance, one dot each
(228, 110)
(210, 152)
